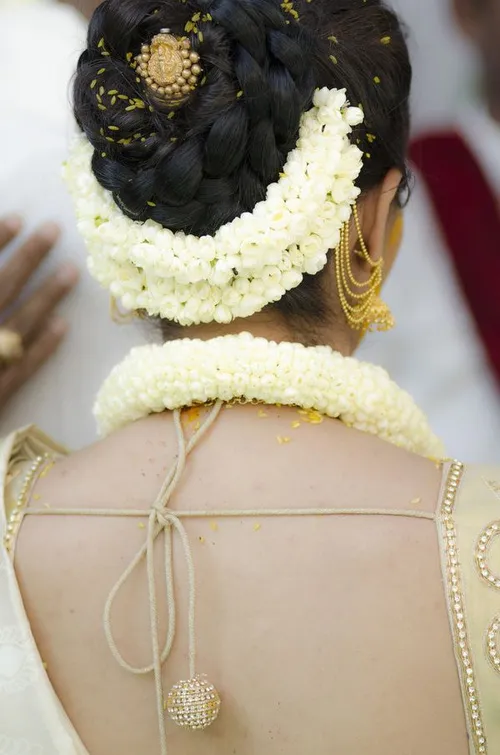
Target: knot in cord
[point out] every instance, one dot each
(163, 522)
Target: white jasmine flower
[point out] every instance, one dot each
(292, 230)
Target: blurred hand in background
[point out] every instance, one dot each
(30, 331)
(38, 127)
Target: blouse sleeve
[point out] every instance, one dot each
(469, 523)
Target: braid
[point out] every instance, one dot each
(199, 166)
(196, 167)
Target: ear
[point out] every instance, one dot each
(377, 217)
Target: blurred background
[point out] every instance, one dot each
(445, 349)
(444, 62)
(444, 288)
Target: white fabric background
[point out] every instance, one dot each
(34, 128)
(443, 62)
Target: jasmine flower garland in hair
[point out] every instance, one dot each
(248, 263)
(187, 372)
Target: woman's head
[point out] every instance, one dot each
(196, 167)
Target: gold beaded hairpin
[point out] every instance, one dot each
(169, 66)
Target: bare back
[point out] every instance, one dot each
(322, 634)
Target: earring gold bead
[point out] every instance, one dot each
(169, 66)
(363, 308)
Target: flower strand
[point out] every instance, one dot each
(248, 263)
(317, 379)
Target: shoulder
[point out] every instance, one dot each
(22, 448)
(470, 502)
(23, 455)
(470, 528)
(478, 495)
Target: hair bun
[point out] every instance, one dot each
(196, 162)
(197, 166)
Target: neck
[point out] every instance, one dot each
(266, 325)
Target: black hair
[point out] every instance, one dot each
(200, 165)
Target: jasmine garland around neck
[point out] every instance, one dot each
(187, 372)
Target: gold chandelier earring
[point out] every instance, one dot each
(360, 300)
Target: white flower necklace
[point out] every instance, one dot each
(187, 372)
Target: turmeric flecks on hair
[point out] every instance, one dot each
(287, 7)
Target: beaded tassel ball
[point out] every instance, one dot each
(194, 704)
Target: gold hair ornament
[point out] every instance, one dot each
(169, 66)
(361, 303)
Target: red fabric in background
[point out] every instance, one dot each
(469, 215)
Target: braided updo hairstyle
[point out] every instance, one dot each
(198, 166)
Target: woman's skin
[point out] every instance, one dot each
(32, 316)
(322, 634)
